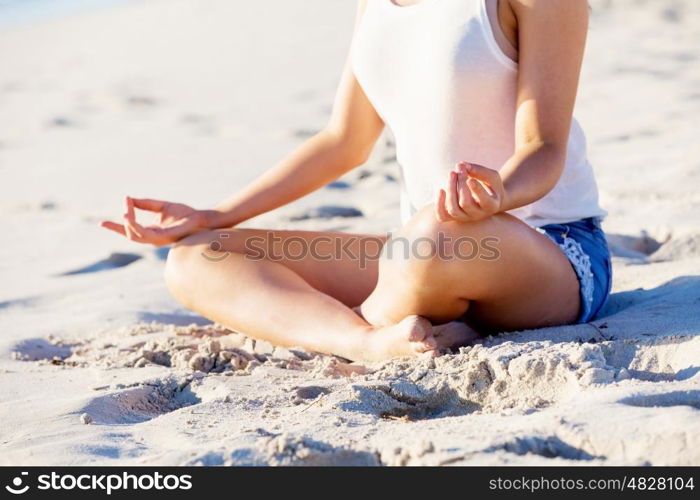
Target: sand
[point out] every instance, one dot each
(187, 101)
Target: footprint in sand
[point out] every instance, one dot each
(40, 349)
(327, 212)
(114, 261)
(305, 133)
(145, 402)
(665, 400)
(671, 14)
(547, 447)
(339, 185)
(141, 101)
(62, 122)
(309, 392)
(23, 302)
(204, 125)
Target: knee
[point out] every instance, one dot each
(180, 268)
(433, 242)
(425, 223)
(412, 251)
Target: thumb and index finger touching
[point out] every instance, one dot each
(147, 204)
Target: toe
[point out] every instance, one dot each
(426, 345)
(420, 328)
(455, 334)
(431, 343)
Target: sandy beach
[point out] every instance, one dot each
(187, 101)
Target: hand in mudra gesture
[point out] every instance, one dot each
(473, 193)
(173, 221)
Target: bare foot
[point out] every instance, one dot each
(412, 337)
(454, 335)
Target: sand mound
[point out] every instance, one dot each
(632, 247)
(289, 450)
(515, 376)
(491, 377)
(194, 348)
(683, 247)
(363, 415)
(496, 377)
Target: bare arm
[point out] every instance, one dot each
(342, 145)
(551, 39)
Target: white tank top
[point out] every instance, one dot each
(438, 78)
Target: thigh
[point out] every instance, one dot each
(342, 265)
(531, 283)
(532, 291)
(517, 279)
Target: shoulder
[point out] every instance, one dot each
(550, 7)
(548, 16)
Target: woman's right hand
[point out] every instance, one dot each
(173, 222)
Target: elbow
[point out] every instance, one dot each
(353, 150)
(554, 148)
(547, 158)
(554, 153)
(357, 157)
(554, 157)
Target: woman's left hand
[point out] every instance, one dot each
(473, 193)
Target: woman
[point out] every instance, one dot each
(479, 95)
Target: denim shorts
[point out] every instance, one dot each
(584, 244)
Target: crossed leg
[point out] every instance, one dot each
(298, 288)
(292, 288)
